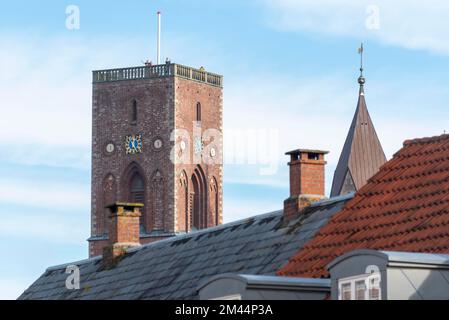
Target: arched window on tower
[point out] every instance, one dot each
(134, 112)
(198, 112)
(137, 193)
(137, 189)
(196, 214)
(199, 210)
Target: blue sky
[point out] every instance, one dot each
(289, 67)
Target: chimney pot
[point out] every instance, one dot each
(307, 180)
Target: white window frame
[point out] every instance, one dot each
(353, 280)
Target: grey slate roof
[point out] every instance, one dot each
(173, 268)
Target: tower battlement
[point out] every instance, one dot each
(157, 71)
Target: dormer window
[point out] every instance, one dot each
(346, 291)
(362, 287)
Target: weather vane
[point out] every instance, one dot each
(361, 58)
(361, 78)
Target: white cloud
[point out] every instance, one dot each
(58, 156)
(47, 210)
(411, 24)
(45, 89)
(53, 195)
(53, 228)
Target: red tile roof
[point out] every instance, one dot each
(404, 207)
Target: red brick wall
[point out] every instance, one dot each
(124, 228)
(112, 103)
(312, 177)
(188, 94)
(307, 182)
(307, 177)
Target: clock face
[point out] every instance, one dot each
(198, 146)
(133, 144)
(110, 148)
(157, 144)
(213, 153)
(183, 145)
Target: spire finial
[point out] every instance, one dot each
(361, 78)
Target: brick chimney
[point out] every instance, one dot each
(124, 231)
(306, 180)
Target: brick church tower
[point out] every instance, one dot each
(156, 140)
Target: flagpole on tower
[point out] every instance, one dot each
(158, 37)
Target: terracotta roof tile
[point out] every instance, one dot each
(404, 207)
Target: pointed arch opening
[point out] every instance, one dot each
(199, 201)
(134, 190)
(137, 188)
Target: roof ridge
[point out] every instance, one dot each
(426, 140)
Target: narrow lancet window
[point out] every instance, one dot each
(134, 113)
(198, 112)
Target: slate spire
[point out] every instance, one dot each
(362, 154)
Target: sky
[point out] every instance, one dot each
(290, 75)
